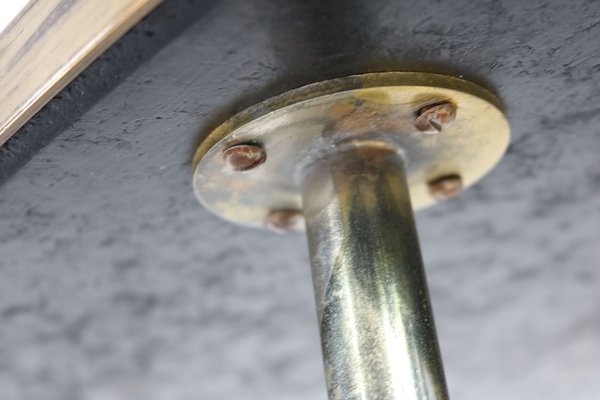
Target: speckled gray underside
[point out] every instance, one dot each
(115, 284)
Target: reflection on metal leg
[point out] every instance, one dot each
(377, 328)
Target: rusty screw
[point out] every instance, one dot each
(284, 221)
(432, 118)
(244, 157)
(445, 187)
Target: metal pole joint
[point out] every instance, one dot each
(347, 160)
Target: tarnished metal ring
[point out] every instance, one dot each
(303, 123)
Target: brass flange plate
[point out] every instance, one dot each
(305, 123)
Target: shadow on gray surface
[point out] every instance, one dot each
(316, 40)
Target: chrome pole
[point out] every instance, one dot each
(377, 330)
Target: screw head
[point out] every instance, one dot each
(244, 157)
(433, 118)
(284, 221)
(445, 187)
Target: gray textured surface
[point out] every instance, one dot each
(115, 284)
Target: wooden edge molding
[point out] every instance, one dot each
(49, 44)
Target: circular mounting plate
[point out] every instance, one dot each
(304, 123)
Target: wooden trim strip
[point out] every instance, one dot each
(49, 44)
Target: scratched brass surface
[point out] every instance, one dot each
(299, 126)
(377, 329)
